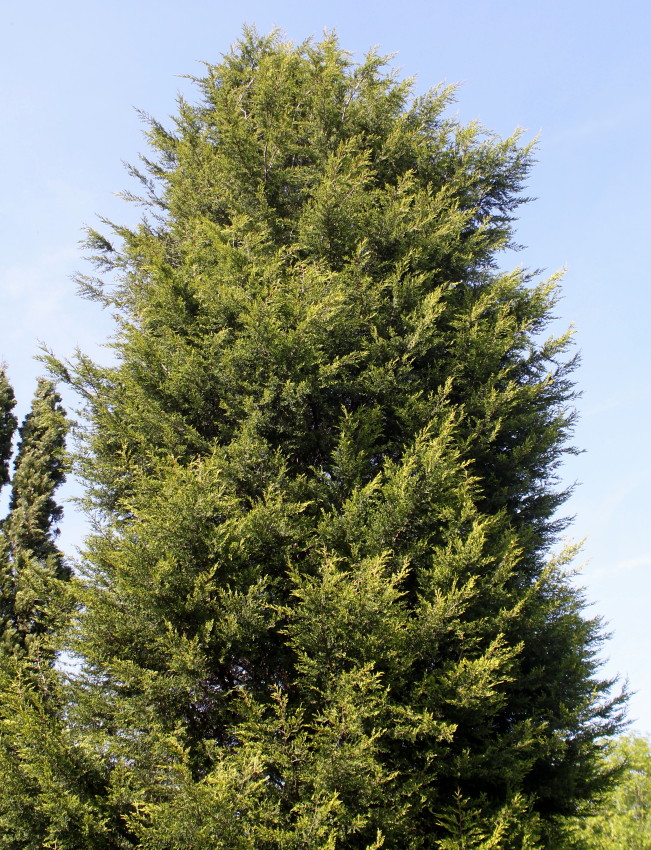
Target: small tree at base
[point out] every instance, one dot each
(319, 607)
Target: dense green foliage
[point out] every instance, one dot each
(8, 424)
(623, 817)
(34, 606)
(31, 566)
(318, 608)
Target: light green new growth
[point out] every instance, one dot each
(622, 818)
(318, 607)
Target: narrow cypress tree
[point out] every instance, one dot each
(39, 469)
(8, 423)
(40, 764)
(32, 565)
(320, 609)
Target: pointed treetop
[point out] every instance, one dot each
(8, 423)
(39, 469)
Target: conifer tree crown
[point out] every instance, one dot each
(320, 609)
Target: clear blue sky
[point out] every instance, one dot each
(577, 72)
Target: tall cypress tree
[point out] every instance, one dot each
(32, 565)
(39, 469)
(320, 608)
(8, 423)
(40, 764)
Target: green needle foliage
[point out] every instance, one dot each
(8, 425)
(39, 469)
(623, 817)
(34, 606)
(32, 567)
(319, 608)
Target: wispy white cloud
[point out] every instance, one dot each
(626, 114)
(615, 401)
(38, 301)
(597, 511)
(627, 565)
(44, 281)
(632, 564)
